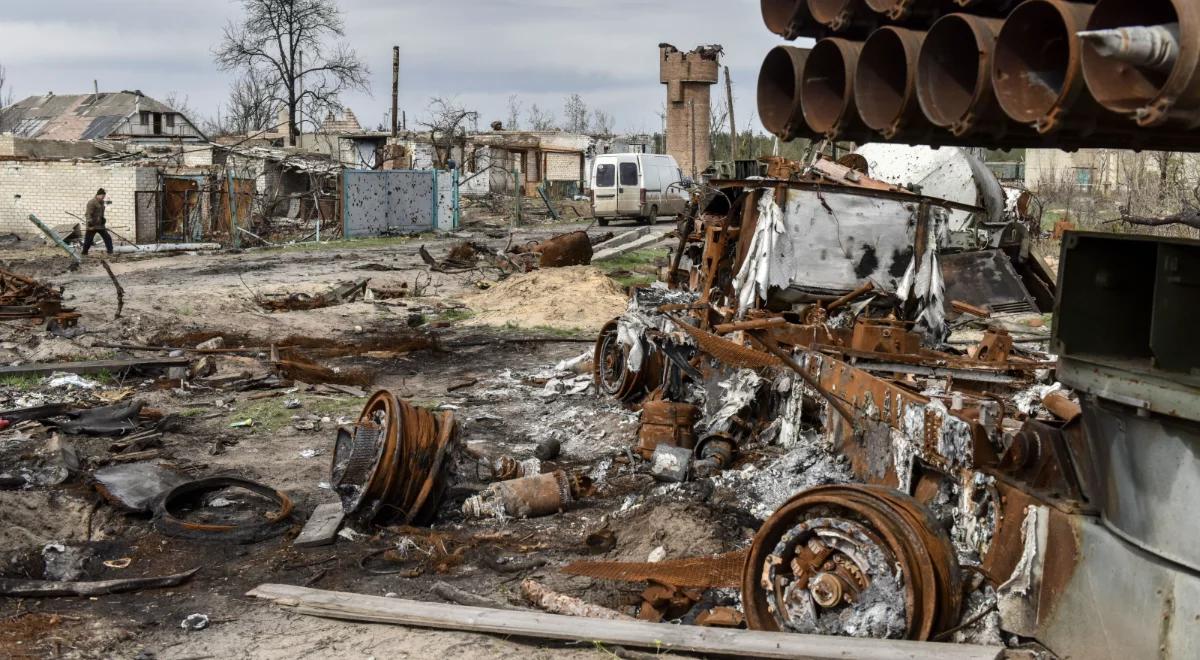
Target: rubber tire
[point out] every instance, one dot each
(603, 222)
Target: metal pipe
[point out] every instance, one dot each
(842, 15)
(885, 82)
(904, 10)
(790, 19)
(395, 91)
(1132, 78)
(1037, 72)
(779, 101)
(954, 82)
(827, 86)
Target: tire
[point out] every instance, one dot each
(603, 222)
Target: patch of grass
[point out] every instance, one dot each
(21, 382)
(356, 243)
(270, 415)
(635, 269)
(455, 315)
(185, 311)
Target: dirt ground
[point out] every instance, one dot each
(182, 300)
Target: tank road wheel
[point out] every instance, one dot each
(852, 560)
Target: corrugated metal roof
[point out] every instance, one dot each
(75, 117)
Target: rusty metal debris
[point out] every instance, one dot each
(1114, 74)
(170, 519)
(25, 298)
(393, 464)
(838, 550)
(721, 572)
(339, 295)
(528, 497)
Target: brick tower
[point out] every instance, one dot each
(689, 78)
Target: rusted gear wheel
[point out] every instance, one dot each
(852, 560)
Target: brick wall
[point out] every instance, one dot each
(51, 189)
(562, 167)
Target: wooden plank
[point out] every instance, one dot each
(322, 526)
(660, 637)
(92, 367)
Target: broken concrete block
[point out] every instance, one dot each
(214, 344)
(671, 463)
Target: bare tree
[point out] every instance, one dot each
(575, 114)
(514, 113)
(6, 95)
(602, 122)
(181, 103)
(447, 126)
(296, 44)
(6, 92)
(252, 106)
(538, 119)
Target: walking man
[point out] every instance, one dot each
(95, 223)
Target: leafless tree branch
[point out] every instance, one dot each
(295, 46)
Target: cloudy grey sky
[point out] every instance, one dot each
(477, 51)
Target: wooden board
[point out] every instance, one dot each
(322, 526)
(92, 367)
(657, 636)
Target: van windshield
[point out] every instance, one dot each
(629, 174)
(606, 176)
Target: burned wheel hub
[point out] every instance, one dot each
(393, 464)
(854, 560)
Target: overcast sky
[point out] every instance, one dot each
(477, 51)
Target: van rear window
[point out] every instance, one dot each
(629, 174)
(606, 176)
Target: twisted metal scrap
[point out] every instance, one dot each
(728, 352)
(719, 572)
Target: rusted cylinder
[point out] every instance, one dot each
(827, 86)
(842, 15)
(954, 75)
(779, 83)
(988, 7)
(905, 10)
(885, 83)
(1149, 96)
(790, 19)
(1037, 72)
(529, 497)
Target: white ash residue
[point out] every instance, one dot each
(763, 490)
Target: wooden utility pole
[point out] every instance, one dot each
(395, 91)
(733, 139)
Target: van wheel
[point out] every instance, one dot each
(603, 222)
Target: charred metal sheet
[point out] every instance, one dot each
(986, 279)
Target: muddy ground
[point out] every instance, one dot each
(182, 300)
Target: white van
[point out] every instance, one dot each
(641, 186)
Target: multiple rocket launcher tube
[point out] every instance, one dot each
(990, 73)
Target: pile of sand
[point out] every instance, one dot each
(577, 298)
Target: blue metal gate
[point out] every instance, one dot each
(392, 202)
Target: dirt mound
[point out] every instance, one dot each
(577, 298)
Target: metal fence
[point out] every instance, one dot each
(392, 202)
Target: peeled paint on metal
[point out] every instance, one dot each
(949, 173)
(825, 242)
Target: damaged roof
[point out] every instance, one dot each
(75, 116)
